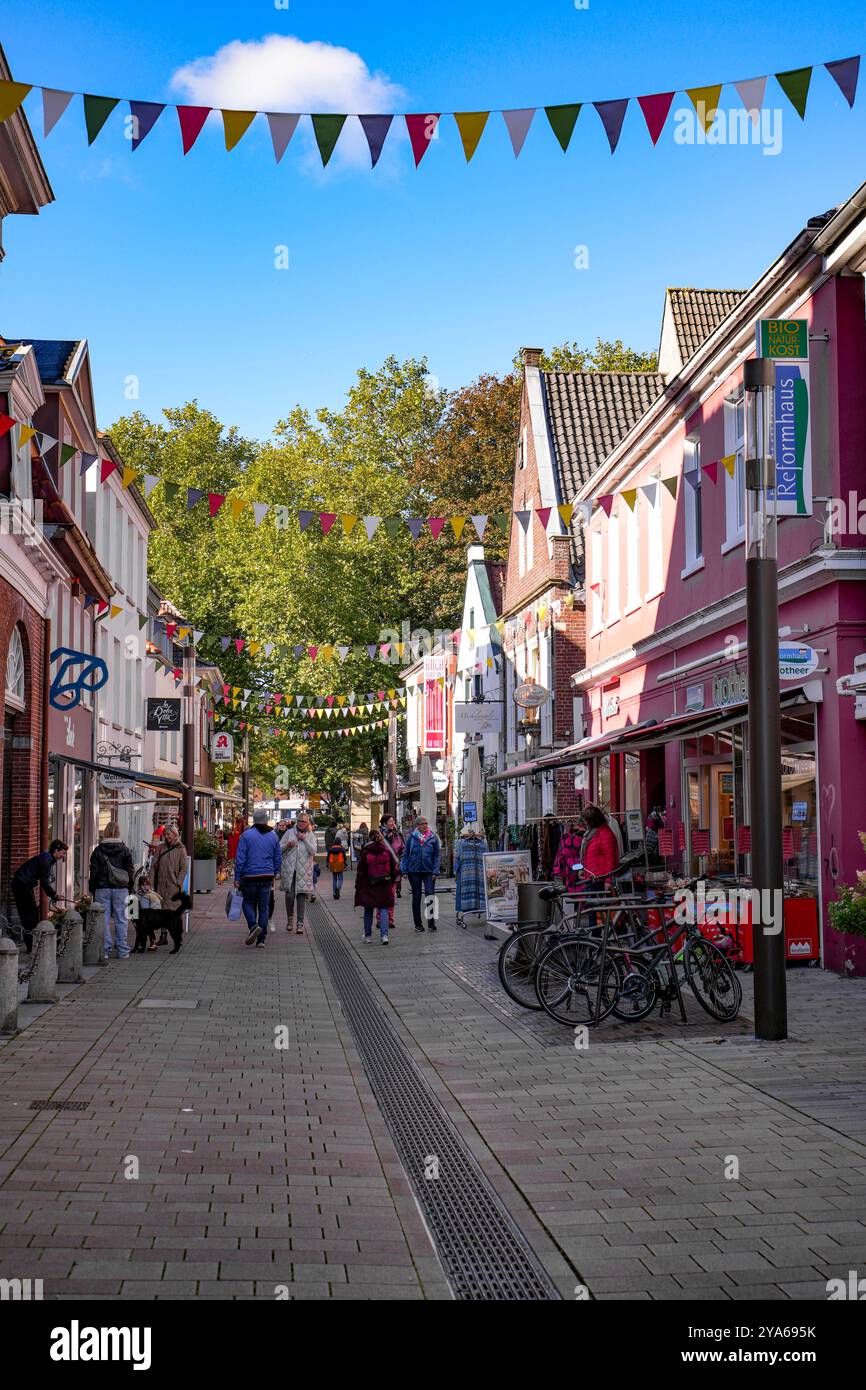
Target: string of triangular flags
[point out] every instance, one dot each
(423, 127)
(303, 735)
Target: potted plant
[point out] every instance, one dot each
(848, 913)
(204, 862)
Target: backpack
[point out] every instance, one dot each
(117, 878)
(336, 858)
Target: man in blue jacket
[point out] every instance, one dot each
(257, 864)
(420, 863)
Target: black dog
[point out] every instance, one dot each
(150, 920)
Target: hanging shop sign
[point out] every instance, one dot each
(477, 717)
(162, 715)
(115, 781)
(581, 777)
(729, 690)
(223, 748)
(434, 704)
(440, 781)
(795, 661)
(786, 343)
(694, 697)
(610, 706)
(783, 339)
(530, 695)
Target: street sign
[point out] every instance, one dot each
(783, 339)
(795, 661)
(530, 695)
(223, 748)
(470, 811)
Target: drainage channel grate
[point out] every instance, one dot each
(484, 1254)
(59, 1104)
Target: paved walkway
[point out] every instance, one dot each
(268, 1172)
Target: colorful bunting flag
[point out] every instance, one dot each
(54, 103)
(655, 110)
(145, 115)
(375, 129)
(96, 112)
(751, 94)
(612, 114)
(517, 124)
(705, 100)
(192, 119)
(11, 96)
(282, 128)
(235, 126)
(327, 132)
(845, 73)
(422, 129)
(562, 122)
(795, 85)
(471, 127)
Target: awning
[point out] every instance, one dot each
(519, 770)
(218, 795)
(412, 790)
(143, 779)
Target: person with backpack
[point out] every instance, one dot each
(421, 860)
(337, 853)
(38, 871)
(374, 884)
(111, 874)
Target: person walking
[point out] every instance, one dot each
(395, 842)
(421, 859)
(257, 864)
(337, 853)
(39, 871)
(359, 839)
(168, 872)
(112, 870)
(374, 884)
(298, 847)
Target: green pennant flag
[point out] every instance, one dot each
(142, 621)
(170, 490)
(562, 121)
(96, 112)
(795, 85)
(327, 130)
(66, 453)
(392, 526)
(503, 521)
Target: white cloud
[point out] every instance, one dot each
(282, 73)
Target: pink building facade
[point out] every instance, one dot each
(664, 688)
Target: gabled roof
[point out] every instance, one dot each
(53, 357)
(690, 317)
(588, 414)
(491, 586)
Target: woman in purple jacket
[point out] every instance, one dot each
(374, 884)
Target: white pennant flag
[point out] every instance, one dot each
(480, 524)
(261, 510)
(752, 96)
(370, 526)
(150, 482)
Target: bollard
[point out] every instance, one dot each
(42, 988)
(8, 987)
(69, 960)
(93, 952)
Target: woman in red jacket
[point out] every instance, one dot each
(374, 884)
(599, 851)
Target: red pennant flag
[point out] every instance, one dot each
(436, 523)
(106, 468)
(101, 606)
(313, 652)
(6, 423)
(327, 520)
(330, 701)
(191, 118)
(712, 471)
(215, 501)
(239, 645)
(605, 503)
(543, 514)
(170, 629)
(655, 111)
(422, 130)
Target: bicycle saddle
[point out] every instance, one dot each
(548, 894)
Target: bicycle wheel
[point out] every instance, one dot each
(638, 991)
(711, 979)
(518, 959)
(567, 980)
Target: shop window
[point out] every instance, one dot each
(15, 671)
(613, 569)
(655, 565)
(632, 522)
(735, 487)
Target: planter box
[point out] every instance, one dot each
(204, 875)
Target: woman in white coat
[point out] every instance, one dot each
(296, 875)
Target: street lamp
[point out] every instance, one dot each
(765, 746)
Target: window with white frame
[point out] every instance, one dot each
(632, 541)
(613, 569)
(655, 563)
(693, 501)
(735, 487)
(595, 576)
(15, 671)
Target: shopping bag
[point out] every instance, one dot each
(234, 905)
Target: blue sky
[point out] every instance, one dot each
(167, 264)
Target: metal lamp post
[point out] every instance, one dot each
(765, 752)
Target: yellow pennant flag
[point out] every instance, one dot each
(629, 496)
(254, 647)
(542, 613)
(566, 511)
(236, 124)
(237, 505)
(183, 633)
(348, 523)
(326, 652)
(11, 96)
(400, 647)
(705, 100)
(729, 463)
(341, 700)
(114, 610)
(236, 690)
(391, 694)
(457, 524)
(471, 126)
(26, 434)
(128, 477)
